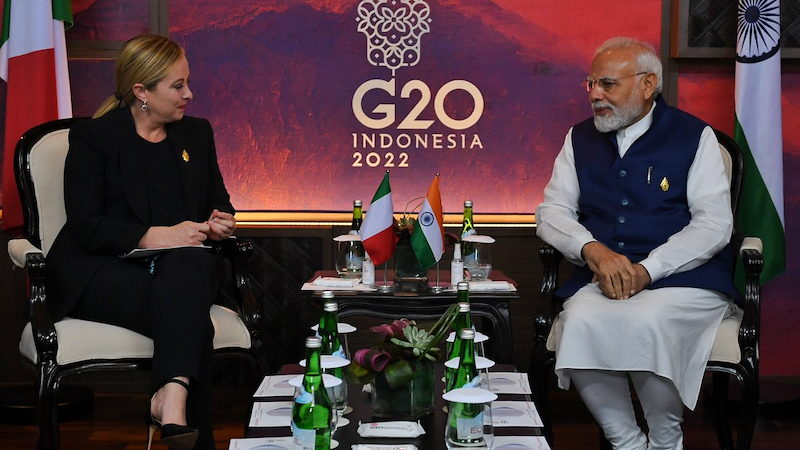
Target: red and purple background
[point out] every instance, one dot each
(276, 79)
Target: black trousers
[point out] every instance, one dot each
(170, 305)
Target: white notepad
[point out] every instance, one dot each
(515, 414)
(271, 414)
(270, 443)
(275, 386)
(520, 443)
(509, 383)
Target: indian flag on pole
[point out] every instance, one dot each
(377, 231)
(427, 239)
(33, 62)
(758, 129)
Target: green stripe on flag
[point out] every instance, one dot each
(422, 249)
(383, 189)
(758, 216)
(6, 22)
(62, 10)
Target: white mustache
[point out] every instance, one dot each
(600, 105)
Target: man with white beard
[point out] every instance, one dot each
(640, 202)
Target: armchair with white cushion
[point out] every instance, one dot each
(72, 346)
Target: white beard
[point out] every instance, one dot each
(621, 116)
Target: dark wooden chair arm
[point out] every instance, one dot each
(753, 262)
(238, 251)
(243, 299)
(543, 319)
(42, 326)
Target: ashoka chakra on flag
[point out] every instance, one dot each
(758, 30)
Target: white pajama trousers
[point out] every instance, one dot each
(660, 338)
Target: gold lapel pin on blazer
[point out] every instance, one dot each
(185, 155)
(664, 184)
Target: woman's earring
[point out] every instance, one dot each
(144, 106)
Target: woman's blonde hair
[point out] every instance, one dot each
(144, 59)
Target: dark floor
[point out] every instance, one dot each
(117, 423)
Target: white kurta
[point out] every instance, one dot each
(667, 331)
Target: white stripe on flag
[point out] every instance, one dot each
(758, 106)
(431, 231)
(379, 217)
(26, 34)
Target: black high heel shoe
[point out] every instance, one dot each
(176, 437)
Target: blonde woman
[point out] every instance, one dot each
(142, 174)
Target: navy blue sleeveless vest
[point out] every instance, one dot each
(632, 216)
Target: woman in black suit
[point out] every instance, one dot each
(140, 174)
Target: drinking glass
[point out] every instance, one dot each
(470, 425)
(478, 263)
(350, 257)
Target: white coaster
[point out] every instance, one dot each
(341, 328)
(329, 362)
(470, 395)
(342, 422)
(328, 381)
(479, 337)
(480, 363)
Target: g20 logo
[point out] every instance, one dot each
(387, 110)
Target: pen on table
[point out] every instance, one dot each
(649, 170)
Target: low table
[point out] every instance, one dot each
(490, 305)
(434, 424)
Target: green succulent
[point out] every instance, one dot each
(419, 341)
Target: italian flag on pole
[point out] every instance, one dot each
(427, 239)
(33, 62)
(758, 129)
(377, 231)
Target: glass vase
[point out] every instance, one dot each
(408, 402)
(408, 275)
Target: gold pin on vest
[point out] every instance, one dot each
(185, 156)
(664, 184)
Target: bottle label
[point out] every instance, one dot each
(470, 428)
(303, 439)
(340, 352)
(470, 232)
(474, 383)
(367, 272)
(303, 397)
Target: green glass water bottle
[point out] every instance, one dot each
(331, 345)
(466, 419)
(311, 411)
(463, 320)
(467, 229)
(354, 257)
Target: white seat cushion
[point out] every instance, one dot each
(726, 342)
(229, 330)
(82, 340)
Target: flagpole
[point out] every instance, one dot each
(437, 289)
(385, 288)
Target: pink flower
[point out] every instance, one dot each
(372, 359)
(393, 330)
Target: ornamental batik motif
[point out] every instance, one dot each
(394, 30)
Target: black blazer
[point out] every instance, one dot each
(105, 194)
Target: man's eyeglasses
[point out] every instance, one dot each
(606, 84)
